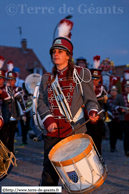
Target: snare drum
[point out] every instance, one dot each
(7, 161)
(78, 164)
(37, 119)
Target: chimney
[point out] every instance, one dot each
(24, 44)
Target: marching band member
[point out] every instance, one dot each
(121, 103)
(82, 62)
(96, 130)
(61, 95)
(3, 109)
(125, 77)
(16, 108)
(3, 95)
(114, 125)
(22, 126)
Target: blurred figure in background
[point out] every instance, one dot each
(114, 125)
(96, 130)
(15, 105)
(82, 62)
(121, 103)
(19, 82)
(23, 127)
(28, 112)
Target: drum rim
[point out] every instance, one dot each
(76, 158)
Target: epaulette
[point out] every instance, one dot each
(47, 77)
(48, 74)
(78, 68)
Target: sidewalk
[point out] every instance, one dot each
(30, 159)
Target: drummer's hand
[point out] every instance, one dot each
(51, 127)
(123, 110)
(93, 118)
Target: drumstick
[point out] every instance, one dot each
(84, 123)
(35, 139)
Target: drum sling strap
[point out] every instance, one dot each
(63, 104)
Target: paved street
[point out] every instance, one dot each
(29, 167)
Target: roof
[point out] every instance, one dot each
(119, 70)
(22, 59)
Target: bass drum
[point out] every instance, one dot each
(36, 117)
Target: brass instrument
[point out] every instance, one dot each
(126, 108)
(107, 119)
(20, 103)
(128, 97)
(30, 83)
(20, 109)
(28, 104)
(10, 91)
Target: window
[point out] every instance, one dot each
(38, 70)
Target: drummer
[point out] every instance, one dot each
(57, 123)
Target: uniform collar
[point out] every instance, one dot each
(62, 71)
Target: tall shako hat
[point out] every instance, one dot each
(95, 72)
(114, 88)
(64, 35)
(11, 75)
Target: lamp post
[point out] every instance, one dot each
(67, 17)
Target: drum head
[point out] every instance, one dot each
(71, 147)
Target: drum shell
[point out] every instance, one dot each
(7, 161)
(80, 166)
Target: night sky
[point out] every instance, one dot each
(100, 27)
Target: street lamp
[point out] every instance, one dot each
(67, 17)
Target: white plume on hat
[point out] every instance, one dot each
(64, 29)
(10, 66)
(126, 72)
(96, 61)
(126, 75)
(1, 62)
